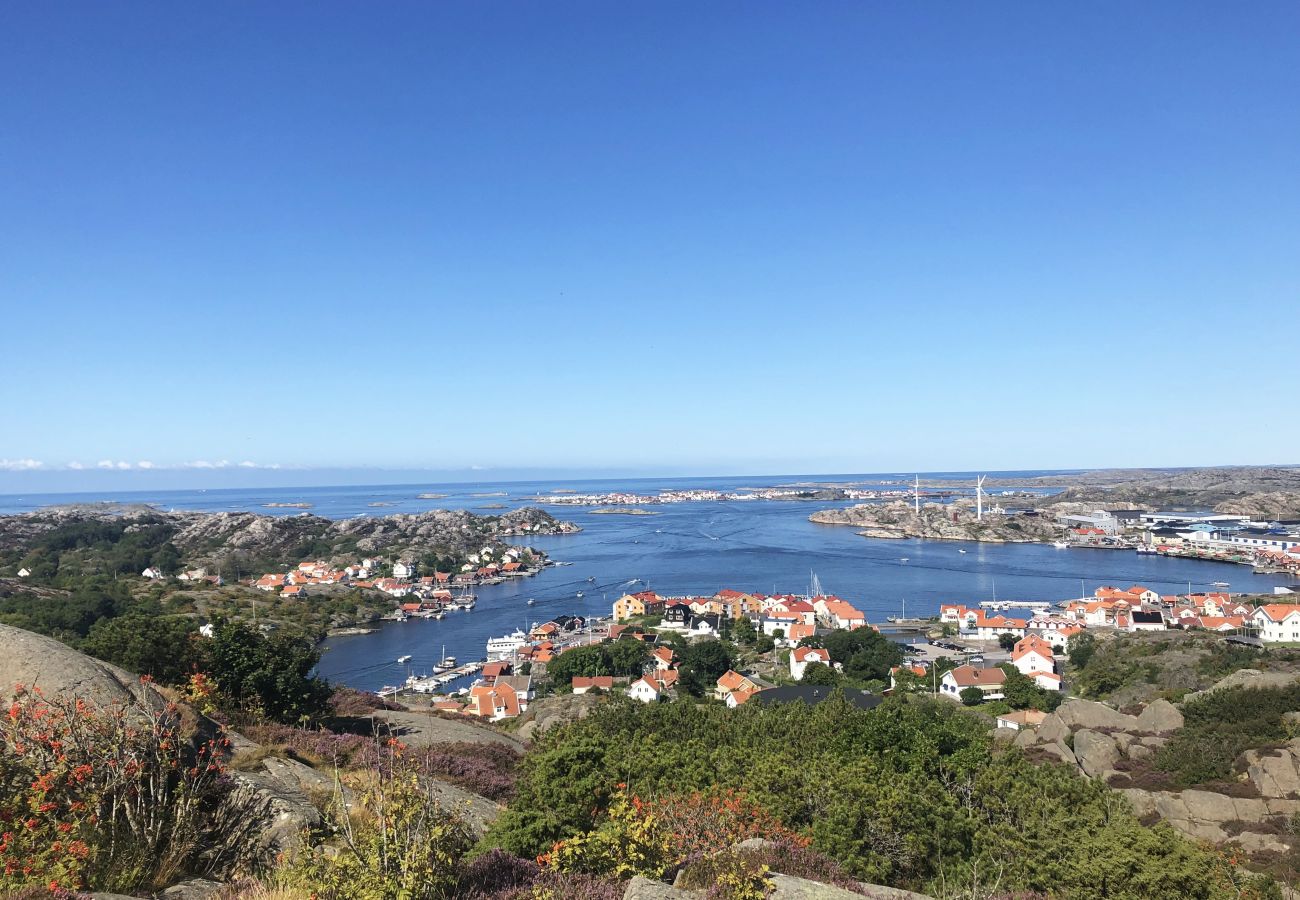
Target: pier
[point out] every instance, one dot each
(1035, 605)
(429, 684)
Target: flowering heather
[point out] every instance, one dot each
(485, 769)
(346, 701)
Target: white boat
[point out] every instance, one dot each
(902, 559)
(579, 593)
(499, 647)
(403, 660)
(531, 601)
(448, 662)
(1219, 584)
(961, 551)
(1060, 545)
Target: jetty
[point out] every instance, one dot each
(1035, 605)
(430, 684)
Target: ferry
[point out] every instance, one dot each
(500, 647)
(403, 660)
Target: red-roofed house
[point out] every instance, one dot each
(990, 681)
(1277, 622)
(731, 680)
(582, 684)
(800, 657)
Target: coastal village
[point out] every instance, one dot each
(971, 667)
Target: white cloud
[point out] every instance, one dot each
(206, 464)
(144, 464)
(75, 466)
(20, 465)
(248, 464)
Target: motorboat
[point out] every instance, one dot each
(579, 593)
(1219, 584)
(403, 660)
(531, 601)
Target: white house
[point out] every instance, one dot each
(23, 573)
(645, 690)
(988, 628)
(800, 657)
(1022, 718)
(1277, 622)
(1031, 655)
(1048, 681)
(152, 572)
(990, 681)
(1146, 620)
(403, 569)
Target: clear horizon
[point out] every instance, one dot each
(58, 482)
(644, 237)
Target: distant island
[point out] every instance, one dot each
(286, 505)
(622, 511)
(430, 496)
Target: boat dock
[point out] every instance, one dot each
(1016, 604)
(429, 684)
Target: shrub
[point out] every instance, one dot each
(113, 798)
(395, 840)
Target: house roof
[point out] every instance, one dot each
(731, 680)
(811, 654)
(604, 682)
(969, 676)
(1278, 611)
(1023, 717)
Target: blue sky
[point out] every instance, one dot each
(651, 237)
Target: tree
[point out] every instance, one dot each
(971, 696)
(702, 664)
(819, 673)
(265, 676)
(1080, 649)
(764, 644)
(744, 631)
(159, 646)
(778, 634)
(1007, 640)
(628, 656)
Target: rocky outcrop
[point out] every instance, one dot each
(1252, 678)
(551, 712)
(1077, 713)
(1106, 744)
(1160, 717)
(784, 887)
(948, 522)
(34, 660)
(213, 537)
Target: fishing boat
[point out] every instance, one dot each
(403, 660)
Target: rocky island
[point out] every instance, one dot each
(945, 522)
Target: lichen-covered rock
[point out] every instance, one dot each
(1052, 730)
(1160, 717)
(1077, 713)
(1275, 773)
(1097, 753)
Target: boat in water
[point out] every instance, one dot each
(501, 647)
(1060, 545)
(1219, 584)
(531, 601)
(403, 660)
(579, 593)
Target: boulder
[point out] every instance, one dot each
(34, 660)
(1052, 730)
(1097, 753)
(1248, 678)
(1076, 713)
(1143, 802)
(1160, 717)
(194, 889)
(1124, 741)
(642, 888)
(1139, 752)
(1275, 773)
(1060, 751)
(1255, 842)
(1025, 737)
(284, 808)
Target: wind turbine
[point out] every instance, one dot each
(916, 494)
(979, 498)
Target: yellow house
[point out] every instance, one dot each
(627, 606)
